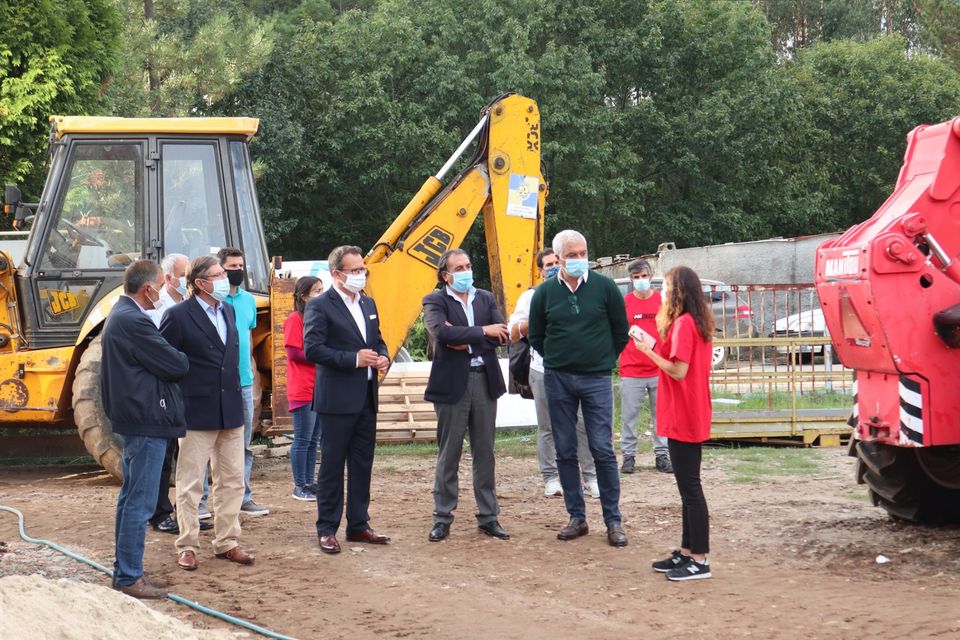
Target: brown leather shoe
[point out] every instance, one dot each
(329, 544)
(368, 536)
(237, 555)
(615, 536)
(141, 589)
(574, 529)
(187, 560)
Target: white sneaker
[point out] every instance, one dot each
(553, 488)
(591, 487)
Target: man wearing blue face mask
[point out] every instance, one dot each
(466, 327)
(174, 267)
(205, 329)
(579, 323)
(638, 373)
(549, 265)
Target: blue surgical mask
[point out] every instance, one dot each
(576, 267)
(462, 281)
(182, 289)
(221, 288)
(552, 271)
(641, 285)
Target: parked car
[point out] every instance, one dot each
(731, 311)
(808, 323)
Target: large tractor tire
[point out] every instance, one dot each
(92, 423)
(902, 481)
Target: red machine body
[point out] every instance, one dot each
(880, 285)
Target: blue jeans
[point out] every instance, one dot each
(247, 393)
(303, 451)
(593, 394)
(142, 462)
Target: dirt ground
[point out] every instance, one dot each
(793, 555)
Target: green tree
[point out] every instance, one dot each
(54, 58)
(940, 20)
(865, 98)
(180, 56)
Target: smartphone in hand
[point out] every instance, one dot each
(639, 334)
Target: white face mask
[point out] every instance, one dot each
(355, 282)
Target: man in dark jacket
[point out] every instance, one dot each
(138, 386)
(465, 327)
(205, 329)
(341, 334)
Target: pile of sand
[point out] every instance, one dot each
(45, 609)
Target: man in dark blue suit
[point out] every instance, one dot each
(341, 334)
(138, 387)
(205, 329)
(465, 327)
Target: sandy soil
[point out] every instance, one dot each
(792, 557)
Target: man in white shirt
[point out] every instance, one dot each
(549, 265)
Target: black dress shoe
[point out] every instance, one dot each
(494, 529)
(440, 531)
(206, 525)
(167, 525)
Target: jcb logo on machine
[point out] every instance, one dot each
(62, 301)
(431, 246)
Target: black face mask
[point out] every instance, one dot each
(235, 277)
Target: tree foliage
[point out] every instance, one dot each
(54, 58)
(663, 120)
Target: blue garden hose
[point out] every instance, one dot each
(172, 596)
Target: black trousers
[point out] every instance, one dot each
(685, 457)
(164, 507)
(348, 440)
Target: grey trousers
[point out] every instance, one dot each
(632, 393)
(546, 452)
(474, 414)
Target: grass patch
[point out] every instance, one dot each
(753, 464)
(782, 400)
(520, 444)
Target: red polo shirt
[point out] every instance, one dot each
(642, 313)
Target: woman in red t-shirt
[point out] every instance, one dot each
(686, 324)
(301, 376)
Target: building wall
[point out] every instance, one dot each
(773, 261)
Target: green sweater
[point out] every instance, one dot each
(582, 332)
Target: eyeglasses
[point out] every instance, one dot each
(573, 304)
(359, 271)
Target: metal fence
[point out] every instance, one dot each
(775, 374)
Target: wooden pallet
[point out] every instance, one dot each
(404, 415)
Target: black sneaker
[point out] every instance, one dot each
(629, 464)
(663, 463)
(675, 560)
(690, 570)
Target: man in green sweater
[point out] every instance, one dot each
(579, 323)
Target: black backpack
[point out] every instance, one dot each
(519, 353)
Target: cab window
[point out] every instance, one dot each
(99, 215)
(192, 199)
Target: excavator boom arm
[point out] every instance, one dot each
(504, 182)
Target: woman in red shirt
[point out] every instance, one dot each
(686, 325)
(301, 376)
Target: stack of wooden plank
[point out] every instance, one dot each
(404, 415)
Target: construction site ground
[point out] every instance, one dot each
(795, 549)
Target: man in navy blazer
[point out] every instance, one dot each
(205, 329)
(465, 327)
(341, 334)
(138, 387)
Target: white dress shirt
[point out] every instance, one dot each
(475, 361)
(353, 306)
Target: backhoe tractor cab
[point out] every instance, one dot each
(117, 190)
(889, 288)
